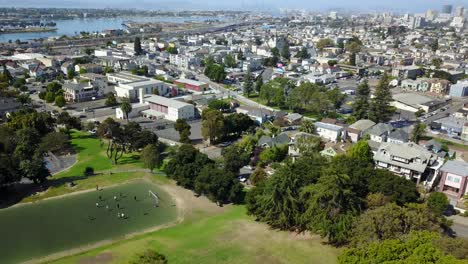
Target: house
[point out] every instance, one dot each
(357, 129)
(439, 86)
(464, 135)
(460, 89)
(398, 136)
(409, 160)
(379, 132)
(192, 85)
(433, 146)
(407, 72)
(330, 130)
(293, 118)
(275, 141)
(453, 181)
(451, 124)
(332, 149)
(80, 91)
(66, 66)
(260, 116)
(88, 68)
(293, 150)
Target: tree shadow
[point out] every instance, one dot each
(15, 193)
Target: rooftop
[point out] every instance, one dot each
(156, 99)
(456, 167)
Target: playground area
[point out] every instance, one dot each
(35, 230)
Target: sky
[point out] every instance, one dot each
(322, 5)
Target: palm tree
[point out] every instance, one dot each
(126, 107)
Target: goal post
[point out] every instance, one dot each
(156, 198)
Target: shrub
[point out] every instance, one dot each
(89, 171)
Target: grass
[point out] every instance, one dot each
(230, 237)
(92, 153)
(35, 230)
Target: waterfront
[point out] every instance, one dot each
(75, 26)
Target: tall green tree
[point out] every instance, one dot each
(330, 206)
(137, 46)
(438, 202)
(418, 132)
(151, 157)
(307, 126)
(126, 107)
(183, 128)
(285, 52)
(110, 100)
(361, 103)
(392, 221)
(248, 84)
(361, 151)
(380, 108)
(230, 61)
(416, 247)
(212, 125)
(259, 83)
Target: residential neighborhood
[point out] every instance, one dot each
(310, 121)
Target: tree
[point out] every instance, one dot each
(392, 221)
(71, 74)
(332, 63)
(330, 206)
(380, 108)
(361, 103)
(435, 45)
(248, 84)
(303, 54)
(438, 202)
(235, 157)
(418, 132)
(55, 142)
(307, 126)
(185, 165)
(308, 145)
(259, 83)
(240, 55)
(416, 247)
(398, 189)
(183, 128)
(60, 101)
(324, 43)
(126, 107)
(172, 50)
(437, 62)
(285, 52)
(151, 157)
(419, 113)
(219, 105)
(23, 99)
(149, 257)
(258, 176)
(216, 184)
(352, 59)
(111, 100)
(137, 46)
(212, 125)
(230, 61)
(361, 151)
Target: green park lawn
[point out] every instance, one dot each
(229, 237)
(207, 233)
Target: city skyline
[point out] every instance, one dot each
(361, 5)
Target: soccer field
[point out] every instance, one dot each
(36, 230)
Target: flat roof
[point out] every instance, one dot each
(156, 99)
(128, 76)
(190, 82)
(412, 99)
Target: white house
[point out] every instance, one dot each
(329, 131)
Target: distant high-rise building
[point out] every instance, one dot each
(430, 15)
(460, 11)
(447, 9)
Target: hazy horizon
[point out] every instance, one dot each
(251, 5)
